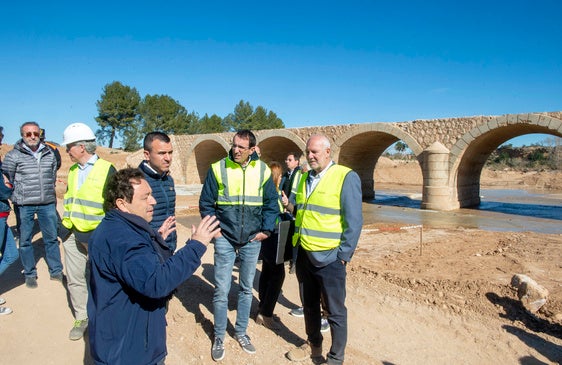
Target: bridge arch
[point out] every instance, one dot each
(204, 151)
(362, 145)
(276, 144)
(470, 153)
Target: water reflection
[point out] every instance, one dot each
(500, 210)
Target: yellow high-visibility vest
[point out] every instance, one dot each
(83, 208)
(296, 180)
(240, 186)
(318, 223)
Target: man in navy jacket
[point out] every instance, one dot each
(133, 273)
(156, 168)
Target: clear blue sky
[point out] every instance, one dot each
(311, 62)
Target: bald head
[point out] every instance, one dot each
(318, 152)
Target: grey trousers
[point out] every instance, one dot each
(75, 261)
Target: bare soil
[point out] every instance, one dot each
(444, 301)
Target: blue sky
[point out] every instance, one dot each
(311, 62)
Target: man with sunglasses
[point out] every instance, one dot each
(239, 191)
(32, 168)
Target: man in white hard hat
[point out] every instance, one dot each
(83, 212)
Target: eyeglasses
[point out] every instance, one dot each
(240, 147)
(29, 134)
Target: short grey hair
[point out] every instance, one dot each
(28, 123)
(89, 146)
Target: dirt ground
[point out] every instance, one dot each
(445, 301)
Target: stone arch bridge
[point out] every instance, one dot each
(451, 152)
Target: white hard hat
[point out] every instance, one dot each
(77, 132)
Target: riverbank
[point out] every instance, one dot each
(439, 296)
(445, 301)
(408, 173)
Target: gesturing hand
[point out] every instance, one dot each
(167, 227)
(207, 229)
(284, 199)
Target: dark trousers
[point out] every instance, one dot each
(271, 280)
(329, 282)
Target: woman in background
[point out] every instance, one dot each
(272, 274)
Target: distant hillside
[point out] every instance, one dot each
(526, 158)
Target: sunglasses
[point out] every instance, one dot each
(29, 134)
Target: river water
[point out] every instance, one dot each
(500, 210)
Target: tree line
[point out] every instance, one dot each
(123, 114)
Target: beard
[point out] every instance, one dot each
(32, 144)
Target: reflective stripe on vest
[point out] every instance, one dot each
(280, 203)
(238, 185)
(318, 223)
(83, 208)
(296, 180)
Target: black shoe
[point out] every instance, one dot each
(31, 282)
(57, 277)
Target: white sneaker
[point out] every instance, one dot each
(324, 325)
(2, 301)
(297, 312)
(5, 310)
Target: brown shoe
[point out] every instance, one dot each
(267, 322)
(304, 352)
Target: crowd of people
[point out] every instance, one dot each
(121, 259)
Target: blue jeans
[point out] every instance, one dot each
(225, 254)
(8, 246)
(48, 222)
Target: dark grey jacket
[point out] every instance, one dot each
(33, 180)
